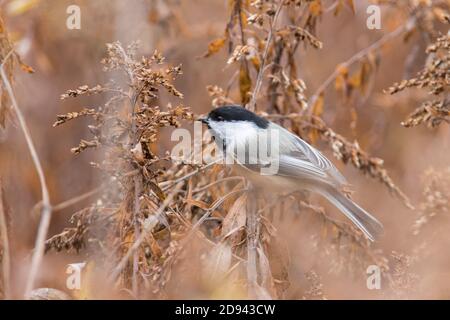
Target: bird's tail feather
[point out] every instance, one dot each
(371, 227)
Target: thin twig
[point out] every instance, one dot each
(357, 57)
(75, 200)
(191, 174)
(252, 244)
(209, 185)
(137, 190)
(6, 264)
(46, 206)
(252, 104)
(136, 205)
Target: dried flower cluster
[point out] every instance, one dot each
(352, 153)
(436, 79)
(403, 280)
(436, 195)
(74, 238)
(316, 287)
(126, 129)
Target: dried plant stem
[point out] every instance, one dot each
(143, 234)
(209, 185)
(137, 188)
(191, 174)
(136, 182)
(252, 244)
(252, 104)
(252, 212)
(75, 200)
(6, 264)
(46, 206)
(357, 57)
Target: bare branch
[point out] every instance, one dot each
(46, 206)
(252, 104)
(75, 200)
(252, 244)
(357, 57)
(116, 272)
(6, 264)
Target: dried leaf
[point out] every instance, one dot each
(355, 81)
(340, 83)
(317, 109)
(236, 216)
(26, 67)
(157, 190)
(214, 47)
(441, 14)
(315, 8)
(255, 62)
(245, 84)
(351, 5)
(198, 203)
(339, 7)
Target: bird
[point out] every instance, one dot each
(299, 166)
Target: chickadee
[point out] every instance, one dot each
(298, 165)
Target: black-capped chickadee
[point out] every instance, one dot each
(292, 165)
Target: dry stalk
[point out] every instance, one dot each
(46, 212)
(68, 203)
(252, 210)
(4, 247)
(252, 104)
(252, 245)
(147, 228)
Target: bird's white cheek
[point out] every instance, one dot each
(216, 129)
(233, 131)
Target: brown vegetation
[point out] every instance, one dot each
(151, 226)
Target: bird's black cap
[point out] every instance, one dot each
(237, 113)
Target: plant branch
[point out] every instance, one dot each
(252, 244)
(46, 206)
(191, 174)
(143, 234)
(357, 57)
(75, 200)
(6, 262)
(252, 104)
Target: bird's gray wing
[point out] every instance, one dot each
(291, 167)
(300, 149)
(285, 160)
(293, 157)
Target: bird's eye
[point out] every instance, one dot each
(220, 118)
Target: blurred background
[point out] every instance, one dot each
(64, 59)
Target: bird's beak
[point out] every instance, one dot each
(203, 120)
